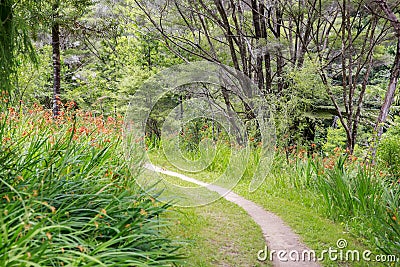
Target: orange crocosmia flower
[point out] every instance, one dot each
(110, 119)
(143, 212)
(53, 209)
(49, 236)
(84, 130)
(7, 198)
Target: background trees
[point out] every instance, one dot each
(268, 40)
(394, 74)
(321, 63)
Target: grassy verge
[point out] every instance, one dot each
(302, 209)
(219, 234)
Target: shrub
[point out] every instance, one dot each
(336, 138)
(389, 154)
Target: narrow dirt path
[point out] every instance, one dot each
(278, 236)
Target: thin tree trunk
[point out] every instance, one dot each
(55, 41)
(394, 76)
(6, 44)
(228, 34)
(259, 76)
(267, 55)
(279, 57)
(384, 112)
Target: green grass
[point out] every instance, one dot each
(219, 234)
(297, 202)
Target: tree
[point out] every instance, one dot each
(265, 39)
(205, 28)
(55, 43)
(14, 38)
(58, 15)
(345, 37)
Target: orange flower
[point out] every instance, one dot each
(49, 236)
(313, 145)
(7, 198)
(143, 212)
(110, 120)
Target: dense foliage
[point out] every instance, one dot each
(68, 195)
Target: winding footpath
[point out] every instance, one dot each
(278, 236)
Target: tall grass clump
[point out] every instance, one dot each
(347, 192)
(67, 196)
(364, 200)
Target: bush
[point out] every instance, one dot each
(389, 153)
(336, 138)
(345, 191)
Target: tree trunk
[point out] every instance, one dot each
(394, 76)
(228, 33)
(279, 57)
(6, 44)
(384, 112)
(55, 42)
